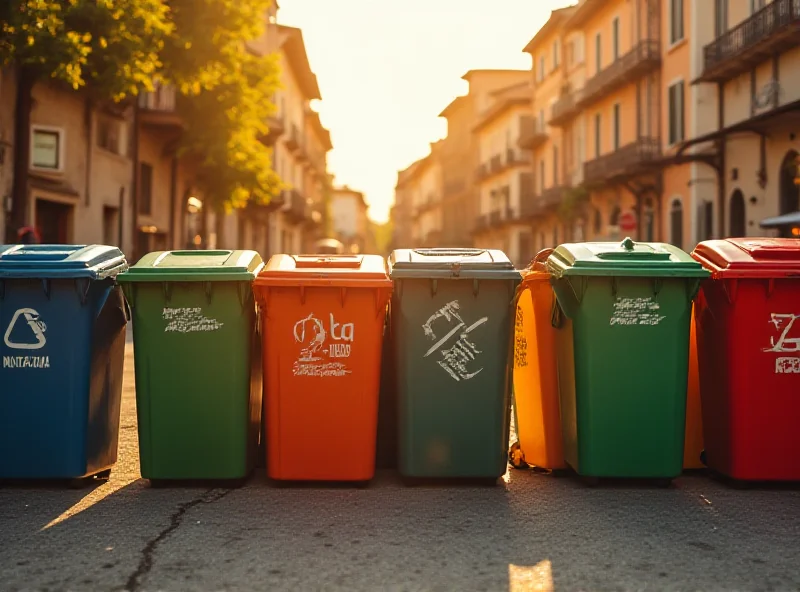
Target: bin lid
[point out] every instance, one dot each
(485, 264)
(363, 271)
(195, 266)
(60, 261)
(750, 257)
(627, 258)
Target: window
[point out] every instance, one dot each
(555, 55)
(109, 135)
(598, 222)
(525, 248)
(721, 17)
(541, 176)
(598, 53)
(555, 236)
(541, 120)
(46, 149)
(616, 124)
(555, 165)
(598, 120)
(676, 117)
(145, 189)
(615, 38)
(676, 21)
(676, 223)
(110, 225)
(571, 53)
(541, 68)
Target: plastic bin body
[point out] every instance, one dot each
(623, 355)
(323, 332)
(62, 321)
(536, 404)
(198, 364)
(451, 324)
(748, 326)
(693, 446)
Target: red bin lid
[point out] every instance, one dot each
(750, 257)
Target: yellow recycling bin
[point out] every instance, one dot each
(536, 401)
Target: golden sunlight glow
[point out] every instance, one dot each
(525, 578)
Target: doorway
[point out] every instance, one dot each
(53, 221)
(737, 216)
(789, 189)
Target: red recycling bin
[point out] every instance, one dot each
(748, 332)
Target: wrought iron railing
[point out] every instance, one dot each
(625, 161)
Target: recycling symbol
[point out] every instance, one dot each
(36, 325)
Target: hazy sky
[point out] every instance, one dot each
(387, 69)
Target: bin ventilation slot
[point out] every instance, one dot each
(635, 255)
(449, 252)
(332, 262)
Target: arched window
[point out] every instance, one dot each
(613, 220)
(676, 223)
(598, 222)
(789, 190)
(737, 224)
(555, 236)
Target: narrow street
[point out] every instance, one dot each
(531, 532)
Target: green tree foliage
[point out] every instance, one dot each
(228, 93)
(112, 46)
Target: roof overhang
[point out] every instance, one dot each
(295, 49)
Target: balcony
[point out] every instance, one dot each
(531, 134)
(293, 140)
(530, 206)
(275, 131)
(496, 164)
(158, 109)
(260, 212)
(514, 159)
(771, 30)
(551, 197)
(627, 162)
(643, 59)
(564, 109)
(298, 209)
(481, 172)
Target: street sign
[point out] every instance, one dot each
(627, 221)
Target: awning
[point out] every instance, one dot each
(787, 220)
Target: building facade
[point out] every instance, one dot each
(349, 220)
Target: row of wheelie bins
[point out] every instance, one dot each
(321, 365)
(638, 360)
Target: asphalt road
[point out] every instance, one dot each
(531, 532)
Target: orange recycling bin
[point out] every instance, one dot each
(322, 323)
(693, 443)
(536, 400)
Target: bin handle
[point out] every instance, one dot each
(539, 259)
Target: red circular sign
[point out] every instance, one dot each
(627, 221)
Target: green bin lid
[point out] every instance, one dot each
(485, 264)
(92, 262)
(195, 266)
(627, 258)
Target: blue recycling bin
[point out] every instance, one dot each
(62, 325)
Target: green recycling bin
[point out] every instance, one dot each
(450, 323)
(623, 315)
(197, 353)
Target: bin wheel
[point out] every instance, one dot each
(103, 475)
(663, 483)
(590, 481)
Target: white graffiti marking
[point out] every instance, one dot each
(787, 366)
(36, 326)
(455, 360)
(26, 362)
(636, 311)
(311, 333)
(784, 323)
(188, 320)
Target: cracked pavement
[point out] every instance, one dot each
(530, 532)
